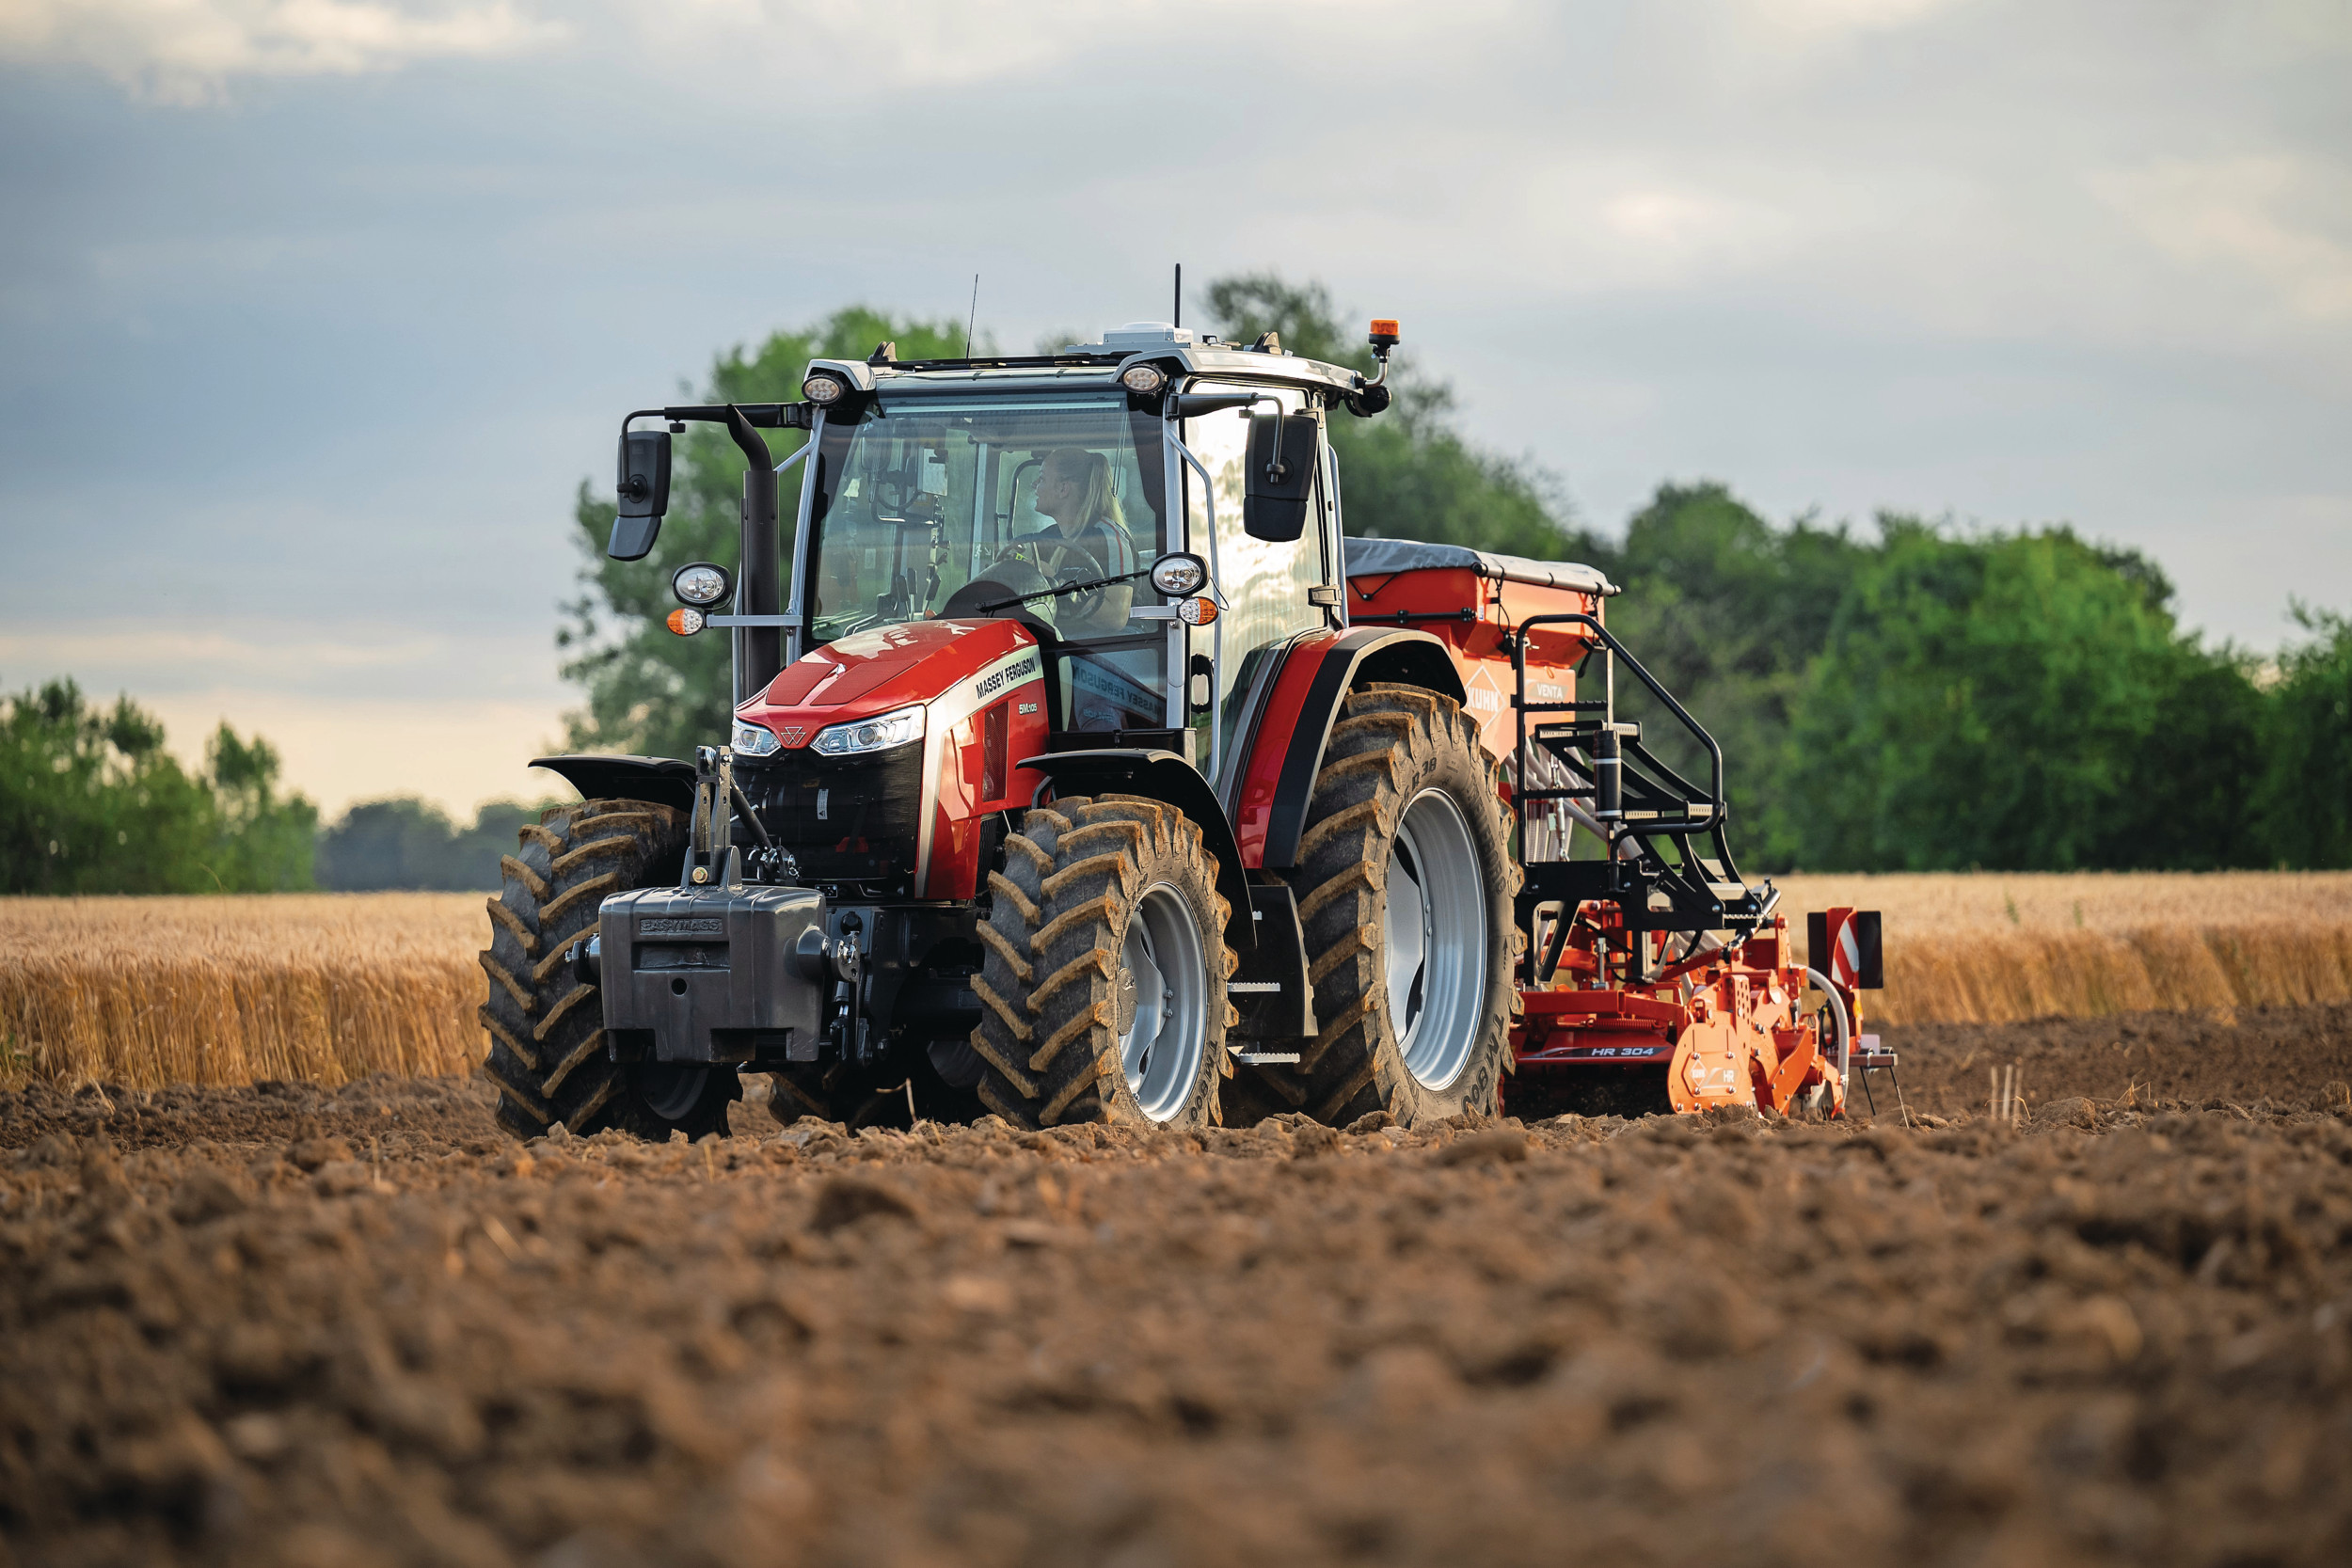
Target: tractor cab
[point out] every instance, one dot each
(1063, 492)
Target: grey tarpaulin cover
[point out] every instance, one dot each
(1379, 557)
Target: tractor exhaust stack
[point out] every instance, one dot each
(759, 650)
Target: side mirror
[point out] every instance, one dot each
(1281, 476)
(644, 487)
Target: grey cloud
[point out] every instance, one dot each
(193, 54)
(335, 351)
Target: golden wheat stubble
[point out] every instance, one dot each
(332, 986)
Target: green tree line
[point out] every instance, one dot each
(1932, 699)
(405, 842)
(92, 802)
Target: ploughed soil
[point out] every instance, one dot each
(288, 1326)
(2267, 1057)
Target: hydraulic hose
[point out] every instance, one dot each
(1845, 1025)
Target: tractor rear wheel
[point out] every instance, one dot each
(1406, 886)
(544, 1019)
(1102, 997)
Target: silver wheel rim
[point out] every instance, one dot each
(1434, 919)
(1164, 994)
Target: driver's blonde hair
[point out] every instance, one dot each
(1095, 470)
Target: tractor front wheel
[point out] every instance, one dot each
(546, 1020)
(1103, 998)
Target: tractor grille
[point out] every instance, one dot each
(846, 819)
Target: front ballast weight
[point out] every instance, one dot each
(733, 963)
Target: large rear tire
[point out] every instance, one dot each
(1406, 887)
(545, 1023)
(1102, 997)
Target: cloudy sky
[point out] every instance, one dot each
(313, 313)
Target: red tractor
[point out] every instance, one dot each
(1087, 772)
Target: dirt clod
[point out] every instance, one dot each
(845, 1200)
(1494, 1146)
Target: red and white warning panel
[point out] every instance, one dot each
(1845, 945)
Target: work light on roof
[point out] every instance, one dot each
(823, 389)
(1143, 380)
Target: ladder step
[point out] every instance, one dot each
(1250, 988)
(1268, 1058)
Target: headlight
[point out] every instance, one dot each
(1143, 380)
(878, 734)
(754, 740)
(685, 622)
(822, 390)
(1177, 574)
(700, 584)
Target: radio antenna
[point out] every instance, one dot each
(975, 316)
(1179, 296)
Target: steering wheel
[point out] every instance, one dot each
(1007, 577)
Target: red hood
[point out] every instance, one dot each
(873, 671)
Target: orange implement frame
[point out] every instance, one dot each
(1625, 1011)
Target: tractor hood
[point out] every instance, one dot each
(898, 804)
(873, 671)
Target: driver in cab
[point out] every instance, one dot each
(1089, 541)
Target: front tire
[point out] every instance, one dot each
(1102, 997)
(1406, 887)
(545, 1023)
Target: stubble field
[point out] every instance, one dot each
(328, 988)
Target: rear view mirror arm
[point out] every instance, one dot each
(1276, 469)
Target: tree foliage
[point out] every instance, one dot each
(1727, 611)
(405, 842)
(2002, 702)
(1407, 473)
(90, 801)
(2307, 743)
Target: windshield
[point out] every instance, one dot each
(930, 507)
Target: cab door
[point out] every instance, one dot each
(1264, 582)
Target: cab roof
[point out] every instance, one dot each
(1177, 349)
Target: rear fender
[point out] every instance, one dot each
(1166, 777)
(664, 780)
(1287, 751)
